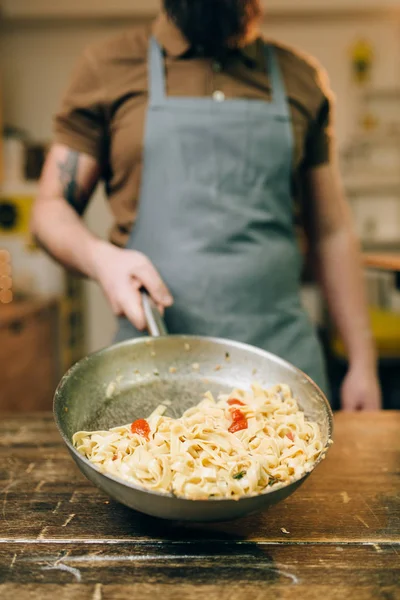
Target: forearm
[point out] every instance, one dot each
(66, 185)
(337, 256)
(63, 234)
(340, 274)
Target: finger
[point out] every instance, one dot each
(161, 309)
(348, 408)
(137, 285)
(368, 407)
(356, 406)
(151, 280)
(130, 302)
(115, 307)
(348, 405)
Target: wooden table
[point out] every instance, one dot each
(338, 537)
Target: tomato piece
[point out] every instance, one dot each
(239, 421)
(236, 401)
(290, 436)
(238, 426)
(237, 414)
(141, 427)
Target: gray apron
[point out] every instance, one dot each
(216, 219)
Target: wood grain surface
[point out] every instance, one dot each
(62, 538)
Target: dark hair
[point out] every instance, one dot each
(212, 24)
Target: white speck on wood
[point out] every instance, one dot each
(30, 468)
(372, 512)
(39, 486)
(69, 520)
(61, 567)
(97, 594)
(120, 559)
(345, 497)
(377, 548)
(279, 569)
(289, 576)
(339, 549)
(14, 558)
(42, 533)
(62, 557)
(285, 531)
(57, 507)
(362, 521)
(73, 499)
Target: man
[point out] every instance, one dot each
(208, 138)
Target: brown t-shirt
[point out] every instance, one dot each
(103, 112)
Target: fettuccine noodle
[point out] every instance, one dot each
(198, 457)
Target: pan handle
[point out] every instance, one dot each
(154, 320)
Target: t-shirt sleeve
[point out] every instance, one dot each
(80, 120)
(320, 136)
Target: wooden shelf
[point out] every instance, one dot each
(365, 182)
(383, 262)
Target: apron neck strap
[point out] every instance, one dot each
(279, 97)
(156, 74)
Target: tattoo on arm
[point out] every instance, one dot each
(68, 171)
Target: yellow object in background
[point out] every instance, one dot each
(362, 58)
(385, 331)
(15, 212)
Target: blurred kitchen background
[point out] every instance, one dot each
(49, 319)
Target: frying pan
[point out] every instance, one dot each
(127, 381)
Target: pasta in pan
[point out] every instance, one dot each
(240, 445)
